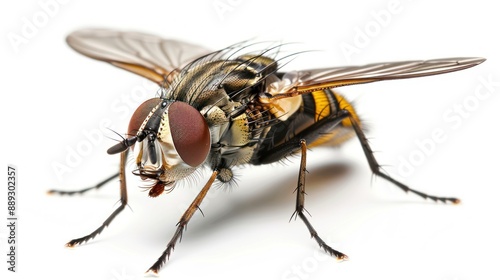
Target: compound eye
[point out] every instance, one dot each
(140, 114)
(190, 133)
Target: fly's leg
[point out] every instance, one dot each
(375, 167)
(123, 203)
(181, 225)
(298, 142)
(100, 184)
(299, 207)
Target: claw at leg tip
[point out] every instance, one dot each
(342, 258)
(151, 273)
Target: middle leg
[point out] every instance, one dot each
(299, 206)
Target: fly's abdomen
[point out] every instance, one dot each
(315, 107)
(323, 108)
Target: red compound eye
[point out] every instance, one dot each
(189, 132)
(140, 115)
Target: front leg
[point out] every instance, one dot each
(123, 203)
(182, 224)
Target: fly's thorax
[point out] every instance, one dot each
(206, 83)
(238, 133)
(260, 64)
(173, 139)
(230, 134)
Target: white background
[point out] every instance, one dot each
(53, 98)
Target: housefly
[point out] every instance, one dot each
(227, 108)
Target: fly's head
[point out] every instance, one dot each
(171, 140)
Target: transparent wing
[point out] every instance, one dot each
(147, 55)
(299, 82)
